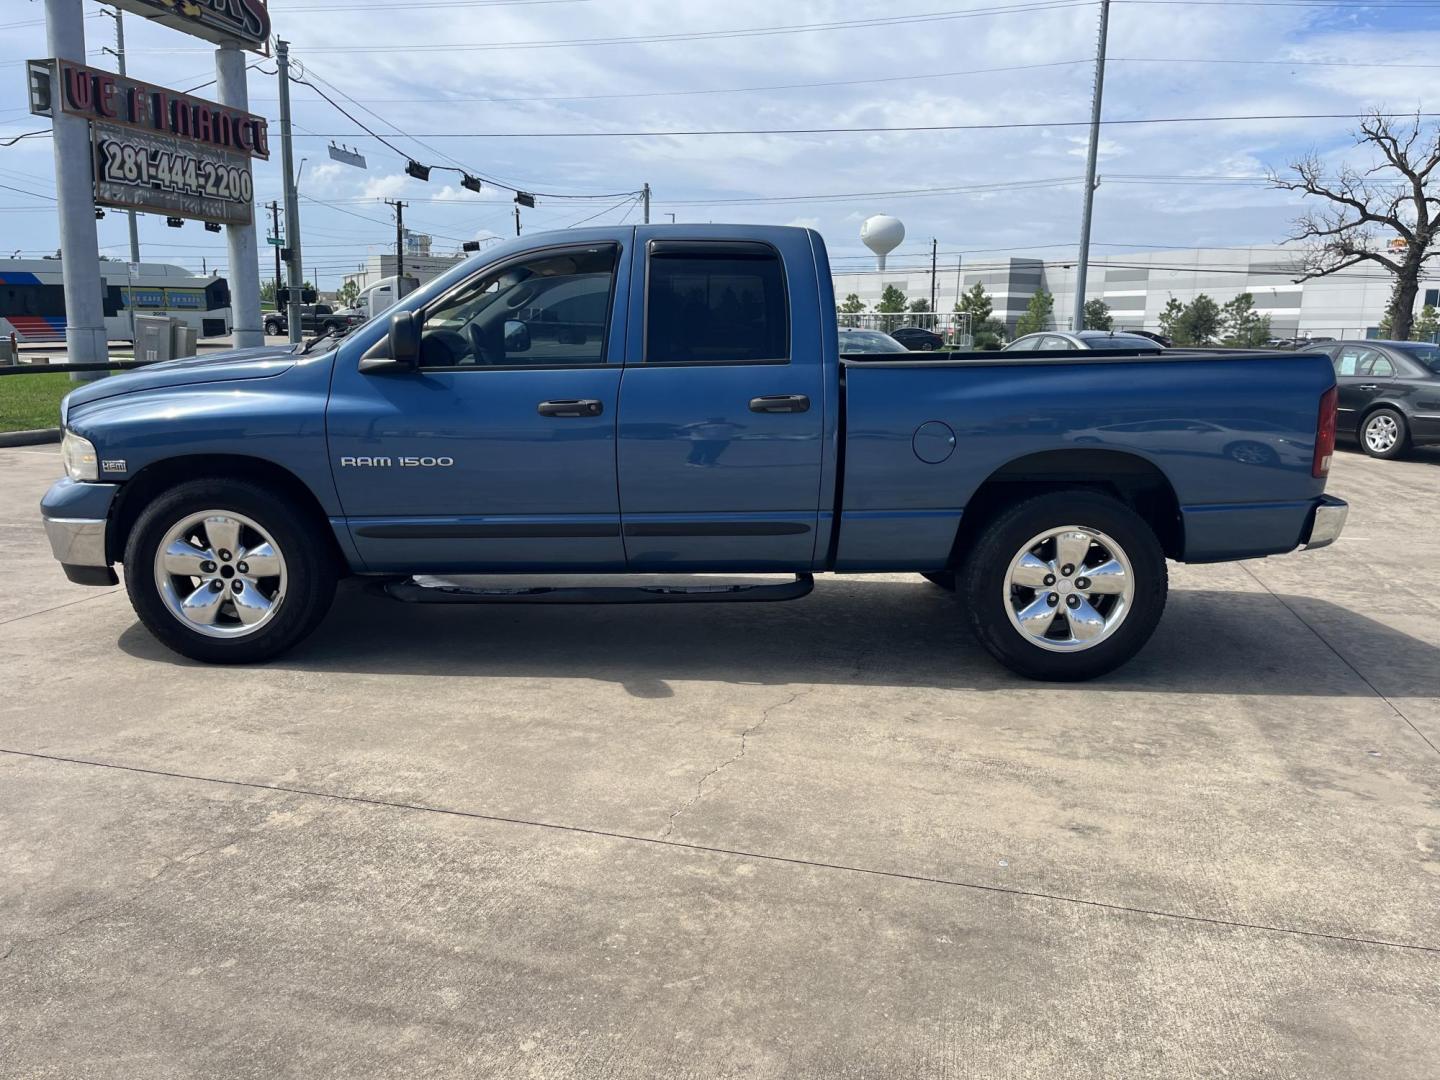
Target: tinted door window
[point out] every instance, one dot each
(550, 310)
(1381, 368)
(723, 306)
(1354, 360)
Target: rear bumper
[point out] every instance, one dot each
(1327, 522)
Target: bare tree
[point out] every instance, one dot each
(1368, 209)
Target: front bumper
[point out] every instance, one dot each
(75, 517)
(1327, 523)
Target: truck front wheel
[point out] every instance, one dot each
(1065, 586)
(227, 572)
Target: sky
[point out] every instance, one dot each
(540, 95)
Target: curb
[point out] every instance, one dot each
(30, 438)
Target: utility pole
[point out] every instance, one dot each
(517, 221)
(400, 244)
(646, 193)
(275, 232)
(292, 199)
(934, 299)
(119, 53)
(85, 339)
(1083, 263)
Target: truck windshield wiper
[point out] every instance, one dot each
(336, 338)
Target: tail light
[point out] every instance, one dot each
(1325, 433)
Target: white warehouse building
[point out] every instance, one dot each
(1137, 285)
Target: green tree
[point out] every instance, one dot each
(1387, 321)
(1427, 326)
(1037, 314)
(892, 304)
(1241, 325)
(1170, 318)
(985, 332)
(853, 304)
(1200, 323)
(920, 305)
(349, 293)
(1097, 315)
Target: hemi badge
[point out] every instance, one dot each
(113, 465)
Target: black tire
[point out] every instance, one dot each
(983, 584)
(945, 579)
(1402, 436)
(332, 328)
(310, 568)
(272, 328)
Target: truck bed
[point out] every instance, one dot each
(1232, 434)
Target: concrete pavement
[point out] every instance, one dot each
(828, 838)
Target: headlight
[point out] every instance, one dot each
(79, 456)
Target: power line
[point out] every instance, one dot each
(880, 129)
(723, 90)
(1024, 7)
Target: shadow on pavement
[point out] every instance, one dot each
(851, 632)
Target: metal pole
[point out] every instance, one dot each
(1082, 264)
(647, 203)
(517, 221)
(85, 337)
(275, 232)
(292, 200)
(933, 298)
(247, 329)
(119, 52)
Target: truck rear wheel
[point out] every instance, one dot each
(228, 572)
(1065, 586)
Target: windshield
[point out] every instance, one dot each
(1427, 354)
(869, 341)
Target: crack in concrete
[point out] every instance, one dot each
(744, 747)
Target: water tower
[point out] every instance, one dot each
(882, 234)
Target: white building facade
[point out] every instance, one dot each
(1136, 286)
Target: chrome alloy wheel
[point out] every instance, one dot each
(1381, 432)
(220, 574)
(1069, 588)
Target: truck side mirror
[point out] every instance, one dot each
(400, 349)
(517, 336)
(405, 339)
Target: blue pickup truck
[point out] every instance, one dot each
(642, 400)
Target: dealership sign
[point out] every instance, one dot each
(156, 149)
(225, 22)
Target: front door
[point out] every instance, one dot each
(722, 407)
(499, 452)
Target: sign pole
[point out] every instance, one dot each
(244, 272)
(85, 337)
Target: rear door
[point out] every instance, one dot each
(1361, 374)
(722, 404)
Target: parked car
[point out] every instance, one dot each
(1159, 338)
(856, 342)
(1062, 341)
(707, 425)
(314, 319)
(918, 339)
(1389, 393)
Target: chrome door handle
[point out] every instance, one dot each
(1368, 386)
(571, 407)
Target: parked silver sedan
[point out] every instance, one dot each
(1063, 341)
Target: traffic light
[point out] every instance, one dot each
(524, 198)
(469, 183)
(470, 245)
(418, 171)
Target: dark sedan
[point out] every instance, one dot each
(917, 338)
(1389, 393)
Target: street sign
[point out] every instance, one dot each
(348, 156)
(275, 241)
